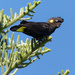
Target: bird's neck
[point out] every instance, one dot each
(52, 26)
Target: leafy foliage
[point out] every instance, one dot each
(20, 52)
(64, 73)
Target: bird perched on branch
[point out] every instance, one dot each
(38, 29)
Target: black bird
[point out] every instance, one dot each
(38, 29)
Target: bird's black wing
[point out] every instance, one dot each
(35, 29)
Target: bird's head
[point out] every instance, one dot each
(55, 22)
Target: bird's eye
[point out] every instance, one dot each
(51, 21)
(56, 20)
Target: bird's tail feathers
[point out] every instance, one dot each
(18, 28)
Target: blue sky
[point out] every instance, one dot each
(62, 55)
